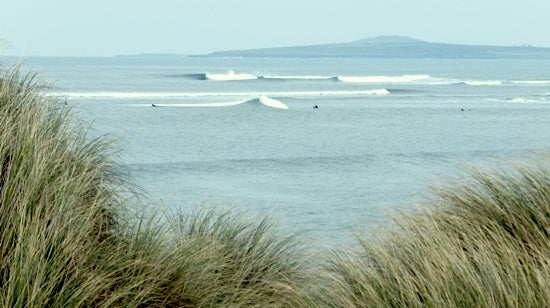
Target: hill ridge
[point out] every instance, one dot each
(390, 46)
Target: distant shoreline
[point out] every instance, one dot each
(391, 47)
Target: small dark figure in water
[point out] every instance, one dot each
(65, 103)
(461, 109)
(315, 107)
(153, 105)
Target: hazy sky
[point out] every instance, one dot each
(111, 27)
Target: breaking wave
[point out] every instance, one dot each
(536, 99)
(522, 100)
(169, 95)
(297, 77)
(483, 82)
(263, 100)
(531, 82)
(270, 102)
(368, 79)
(230, 76)
(222, 104)
(383, 79)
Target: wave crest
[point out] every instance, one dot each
(383, 79)
(483, 83)
(230, 76)
(523, 100)
(531, 82)
(270, 102)
(263, 100)
(171, 95)
(297, 77)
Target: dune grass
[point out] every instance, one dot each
(56, 200)
(69, 236)
(479, 244)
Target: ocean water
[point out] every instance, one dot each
(244, 133)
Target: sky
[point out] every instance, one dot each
(116, 27)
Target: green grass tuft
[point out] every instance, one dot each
(68, 239)
(481, 244)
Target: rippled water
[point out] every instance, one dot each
(385, 130)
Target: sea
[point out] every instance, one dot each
(325, 145)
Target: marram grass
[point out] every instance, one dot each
(480, 244)
(56, 199)
(69, 238)
(66, 239)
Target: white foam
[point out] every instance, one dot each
(346, 93)
(384, 79)
(483, 82)
(264, 100)
(531, 81)
(522, 100)
(171, 95)
(519, 100)
(223, 104)
(268, 101)
(297, 77)
(330, 93)
(230, 76)
(443, 81)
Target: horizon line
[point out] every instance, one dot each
(185, 54)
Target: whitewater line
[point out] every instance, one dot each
(152, 95)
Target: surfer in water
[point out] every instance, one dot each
(315, 107)
(153, 105)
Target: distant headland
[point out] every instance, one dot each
(391, 47)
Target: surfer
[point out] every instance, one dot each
(153, 105)
(315, 107)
